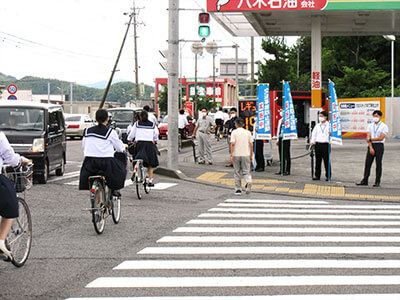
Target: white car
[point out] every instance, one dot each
(76, 124)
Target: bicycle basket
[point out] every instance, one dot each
(22, 177)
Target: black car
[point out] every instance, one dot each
(36, 131)
(122, 117)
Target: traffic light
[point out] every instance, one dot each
(204, 28)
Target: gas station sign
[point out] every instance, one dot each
(299, 5)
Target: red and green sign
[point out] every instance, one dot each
(299, 5)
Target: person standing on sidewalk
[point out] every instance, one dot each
(320, 138)
(285, 165)
(376, 134)
(204, 126)
(219, 121)
(231, 127)
(241, 156)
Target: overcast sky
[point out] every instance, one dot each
(78, 40)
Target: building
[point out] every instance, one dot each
(227, 68)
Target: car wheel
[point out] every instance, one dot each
(45, 176)
(60, 171)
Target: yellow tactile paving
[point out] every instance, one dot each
(309, 189)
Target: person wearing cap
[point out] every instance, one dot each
(241, 156)
(376, 135)
(320, 138)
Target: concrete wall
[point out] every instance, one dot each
(392, 108)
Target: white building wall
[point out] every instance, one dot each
(392, 109)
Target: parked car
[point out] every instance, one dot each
(123, 116)
(163, 128)
(76, 124)
(36, 131)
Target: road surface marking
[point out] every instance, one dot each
(241, 281)
(297, 216)
(163, 186)
(65, 176)
(269, 297)
(287, 230)
(296, 210)
(294, 222)
(75, 182)
(256, 264)
(279, 239)
(275, 201)
(332, 206)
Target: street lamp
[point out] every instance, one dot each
(212, 48)
(197, 49)
(391, 38)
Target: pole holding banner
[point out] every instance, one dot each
(289, 118)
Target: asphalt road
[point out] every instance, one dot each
(314, 248)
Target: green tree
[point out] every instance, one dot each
(163, 99)
(207, 103)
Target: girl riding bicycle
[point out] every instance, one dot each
(8, 200)
(145, 134)
(103, 150)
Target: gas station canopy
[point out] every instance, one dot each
(294, 17)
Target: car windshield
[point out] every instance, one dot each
(73, 119)
(122, 115)
(21, 119)
(165, 120)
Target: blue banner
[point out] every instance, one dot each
(336, 125)
(263, 113)
(289, 118)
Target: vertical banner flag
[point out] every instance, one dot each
(289, 118)
(336, 126)
(263, 113)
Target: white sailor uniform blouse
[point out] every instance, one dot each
(7, 154)
(101, 141)
(143, 131)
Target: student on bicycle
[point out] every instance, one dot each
(145, 134)
(103, 150)
(8, 200)
(182, 123)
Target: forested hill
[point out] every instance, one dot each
(119, 90)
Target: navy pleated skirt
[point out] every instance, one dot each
(8, 199)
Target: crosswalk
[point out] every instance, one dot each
(72, 179)
(268, 249)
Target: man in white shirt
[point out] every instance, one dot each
(219, 121)
(150, 115)
(376, 134)
(182, 122)
(320, 138)
(241, 156)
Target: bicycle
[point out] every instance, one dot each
(103, 203)
(140, 177)
(19, 239)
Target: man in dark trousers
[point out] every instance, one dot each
(231, 127)
(285, 165)
(320, 138)
(376, 134)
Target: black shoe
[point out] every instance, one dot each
(116, 193)
(316, 178)
(202, 162)
(377, 185)
(286, 174)
(150, 184)
(278, 173)
(259, 170)
(229, 166)
(210, 163)
(362, 183)
(326, 179)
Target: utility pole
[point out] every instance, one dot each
(173, 83)
(70, 99)
(197, 49)
(236, 46)
(252, 67)
(135, 46)
(116, 64)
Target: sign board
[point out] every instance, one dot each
(201, 90)
(289, 118)
(188, 107)
(247, 111)
(356, 115)
(263, 113)
(12, 97)
(336, 125)
(12, 89)
(299, 5)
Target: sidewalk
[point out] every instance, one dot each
(347, 169)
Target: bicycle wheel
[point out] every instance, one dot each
(138, 183)
(146, 185)
(19, 239)
(97, 198)
(116, 209)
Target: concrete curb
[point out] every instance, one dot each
(170, 173)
